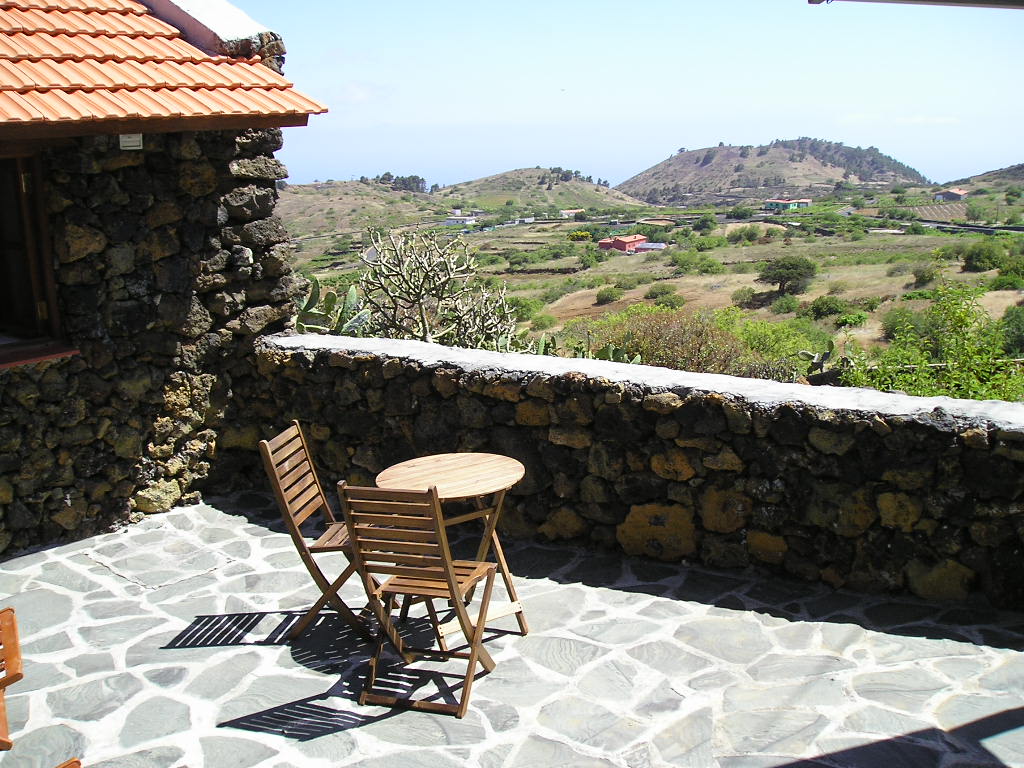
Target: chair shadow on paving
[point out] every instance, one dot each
(926, 748)
(329, 646)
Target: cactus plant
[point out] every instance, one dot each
(320, 312)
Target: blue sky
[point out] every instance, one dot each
(456, 91)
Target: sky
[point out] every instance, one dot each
(457, 91)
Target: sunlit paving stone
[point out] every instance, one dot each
(627, 665)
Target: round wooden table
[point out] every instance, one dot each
(456, 475)
(476, 477)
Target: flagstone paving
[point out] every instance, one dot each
(161, 645)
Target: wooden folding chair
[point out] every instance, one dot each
(289, 466)
(400, 537)
(10, 667)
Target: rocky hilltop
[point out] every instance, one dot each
(782, 168)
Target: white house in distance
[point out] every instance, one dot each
(568, 213)
(456, 218)
(953, 194)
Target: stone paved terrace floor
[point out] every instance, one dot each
(159, 645)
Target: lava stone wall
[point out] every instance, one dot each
(855, 488)
(167, 266)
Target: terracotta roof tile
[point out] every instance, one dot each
(78, 62)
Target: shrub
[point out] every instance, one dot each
(784, 304)
(983, 256)
(852, 319)
(542, 322)
(870, 303)
(609, 294)
(900, 318)
(899, 268)
(674, 339)
(823, 306)
(524, 308)
(1013, 330)
(740, 212)
(580, 235)
(743, 297)
(658, 290)
(709, 242)
(1006, 283)
(926, 273)
(629, 282)
(670, 301)
(837, 286)
(742, 267)
(689, 262)
(919, 294)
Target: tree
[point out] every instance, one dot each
(740, 212)
(420, 287)
(706, 223)
(975, 212)
(792, 274)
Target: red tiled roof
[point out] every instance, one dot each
(84, 66)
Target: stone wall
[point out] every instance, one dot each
(167, 265)
(851, 487)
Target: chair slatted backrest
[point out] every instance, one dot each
(10, 650)
(10, 668)
(289, 466)
(397, 533)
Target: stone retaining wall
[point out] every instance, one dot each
(167, 267)
(852, 487)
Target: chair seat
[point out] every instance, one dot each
(334, 539)
(467, 574)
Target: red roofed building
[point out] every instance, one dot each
(140, 257)
(625, 243)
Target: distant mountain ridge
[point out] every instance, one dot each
(783, 167)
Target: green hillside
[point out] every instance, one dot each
(536, 190)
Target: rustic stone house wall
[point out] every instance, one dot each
(167, 267)
(851, 487)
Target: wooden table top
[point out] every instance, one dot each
(456, 475)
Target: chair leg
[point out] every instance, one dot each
(476, 646)
(329, 594)
(371, 676)
(436, 626)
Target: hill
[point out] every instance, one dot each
(782, 168)
(535, 189)
(1004, 177)
(349, 206)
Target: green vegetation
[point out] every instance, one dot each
(658, 290)
(784, 304)
(688, 262)
(609, 294)
(959, 352)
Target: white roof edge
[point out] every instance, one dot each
(207, 24)
(999, 413)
